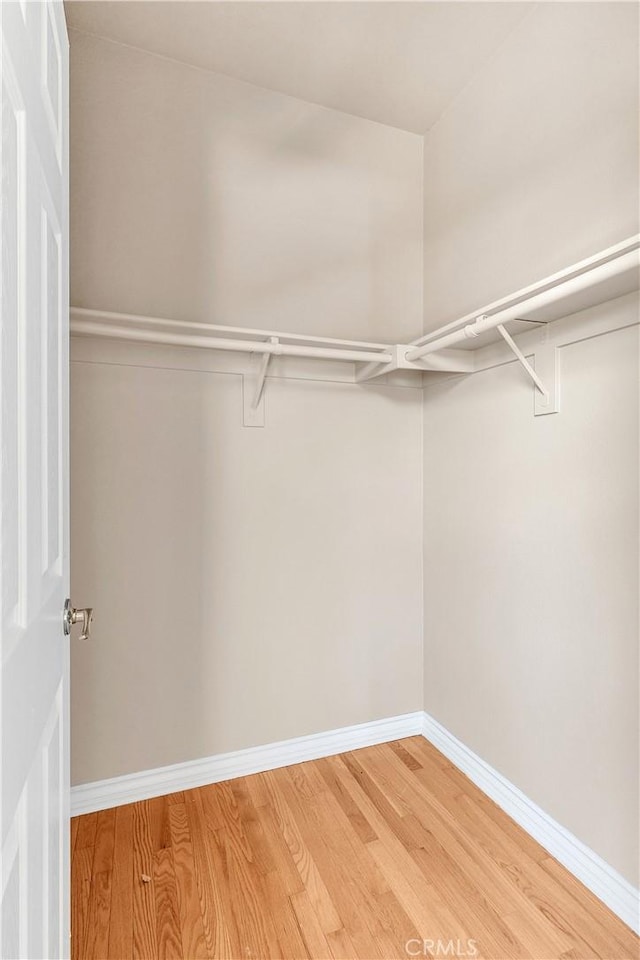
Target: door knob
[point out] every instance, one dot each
(73, 615)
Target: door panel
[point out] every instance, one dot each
(34, 563)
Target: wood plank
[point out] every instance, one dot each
(96, 940)
(75, 824)
(191, 924)
(351, 876)
(307, 779)
(285, 922)
(359, 822)
(481, 816)
(387, 914)
(211, 877)
(145, 942)
(313, 883)
(533, 929)
(121, 919)
(382, 813)
(246, 896)
(168, 934)
(494, 937)
(621, 935)
(257, 790)
(600, 926)
(341, 944)
(420, 900)
(281, 855)
(81, 865)
(104, 841)
(332, 889)
(251, 827)
(315, 940)
(87, 825)
(158, 820)
(406, 755)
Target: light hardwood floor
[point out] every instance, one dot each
(363, 855)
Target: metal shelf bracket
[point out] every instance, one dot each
(544, 376)
(253, 402)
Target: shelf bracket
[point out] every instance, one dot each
(546, 361)
(253, 402)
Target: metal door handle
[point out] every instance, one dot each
(76, 615)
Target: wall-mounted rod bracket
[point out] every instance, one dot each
(372, 370)
(447, 361)
(523, 360)
(262, 373)
(253, 400)
(546, 397)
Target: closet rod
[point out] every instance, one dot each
(116, 332)
(81, 313)
(565, 288)
(617, 250)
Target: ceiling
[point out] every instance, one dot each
(393, 62)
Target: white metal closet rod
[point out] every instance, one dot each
(575, 284)
(116, 332)
(212, 329)
(617, 250)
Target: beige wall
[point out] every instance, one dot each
(249, 585)
(535, 165)
(199, 197)
(531, 524)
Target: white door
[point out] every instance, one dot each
(34, 538)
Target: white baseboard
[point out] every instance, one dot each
(608, 885)
(618, 894)
(102, 794)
